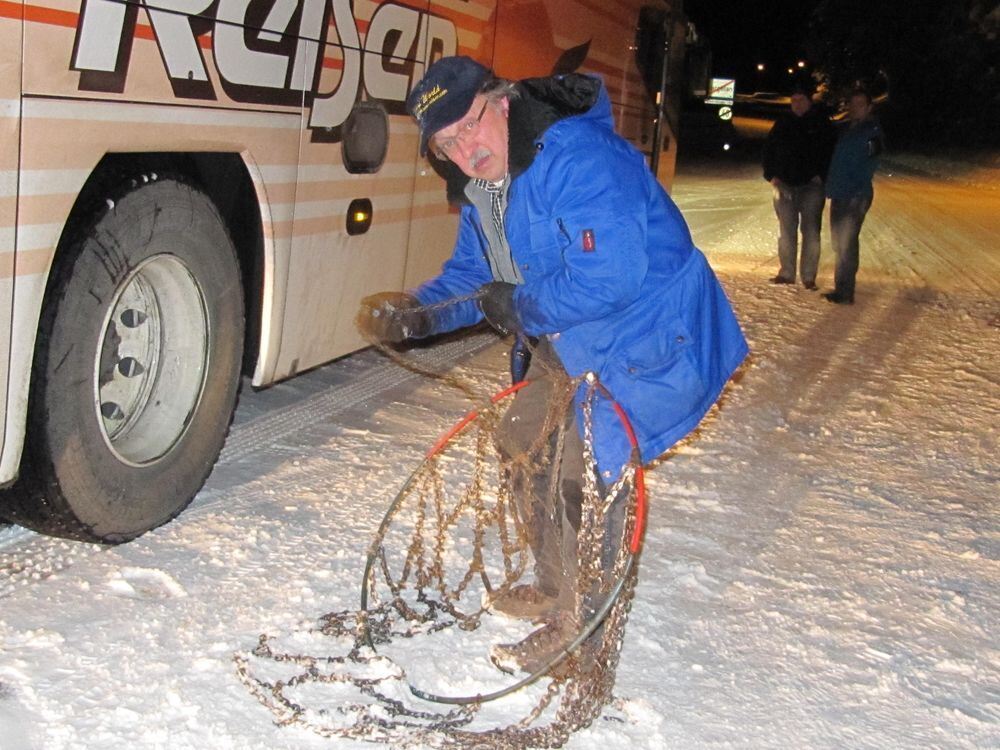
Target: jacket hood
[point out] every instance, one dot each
(541, 102)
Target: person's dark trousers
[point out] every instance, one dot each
(552, 520)
(799, 208)
(846, 217)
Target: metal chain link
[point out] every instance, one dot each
(423, 592)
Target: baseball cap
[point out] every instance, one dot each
(445, 94)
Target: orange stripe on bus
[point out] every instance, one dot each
(340, 189)
(11, 10)
(67, 18)
(51, 16)
(418, 4)
(381, 219)
(600, 9)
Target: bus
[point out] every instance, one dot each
(197, 191)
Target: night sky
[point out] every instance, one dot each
(743, 34)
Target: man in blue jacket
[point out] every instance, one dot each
(849, 187)
(566, 238)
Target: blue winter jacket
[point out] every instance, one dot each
(855, 160)
(610, 272)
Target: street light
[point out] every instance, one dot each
(802, 63)
(760, 67)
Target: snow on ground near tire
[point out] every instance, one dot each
(821, 568)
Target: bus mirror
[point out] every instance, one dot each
(366, 138)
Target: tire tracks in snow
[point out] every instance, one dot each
(938, 238)
(27, 557)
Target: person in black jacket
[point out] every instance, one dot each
(796, 158)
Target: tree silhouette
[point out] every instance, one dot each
(935, 59)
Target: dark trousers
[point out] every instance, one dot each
(799, 208)
(551, 513)
(846, 217)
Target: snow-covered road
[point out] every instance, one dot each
(821, 568)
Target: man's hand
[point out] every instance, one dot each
(496, 300)
(392, 317)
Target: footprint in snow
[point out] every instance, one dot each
(145, 583)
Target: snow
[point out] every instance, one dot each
(821, 567)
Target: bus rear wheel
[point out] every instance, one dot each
(137, 368)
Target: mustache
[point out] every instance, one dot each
(479, 156)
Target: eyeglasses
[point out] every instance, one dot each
(468, 129)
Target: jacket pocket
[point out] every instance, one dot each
(661, 380)
(547, 244)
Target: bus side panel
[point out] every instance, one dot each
(433, 226)
(317, 273)
(433, 223)
(412, 229)
(117, 65)
(65, 139)
(65, 134)
(533, 39)
(600, 37)
(10, 110)
(114, 51)
(330, 269)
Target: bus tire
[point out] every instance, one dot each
(137, 367)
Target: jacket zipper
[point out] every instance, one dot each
(565, 233)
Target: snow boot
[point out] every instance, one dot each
(524, 602)
(532, 653)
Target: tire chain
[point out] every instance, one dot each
(420, 600)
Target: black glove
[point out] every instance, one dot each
(496, 300)
(520, 357)
(392, 317)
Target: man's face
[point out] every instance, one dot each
(858, 108)
(800, 104)
(478, 142)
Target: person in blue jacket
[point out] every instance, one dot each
(849, 187)
(566, 239)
